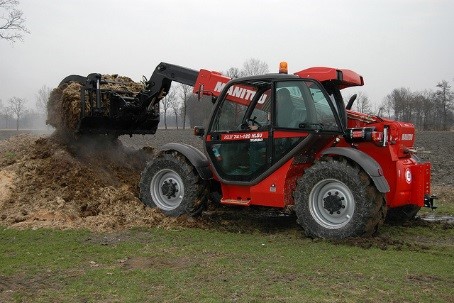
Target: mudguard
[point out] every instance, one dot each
(370, 166)
(195, 156)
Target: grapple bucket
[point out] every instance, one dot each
(108, 104)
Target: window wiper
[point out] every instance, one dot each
(314, 126)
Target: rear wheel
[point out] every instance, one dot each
(336, 200)
(402, 214)
(172, 184)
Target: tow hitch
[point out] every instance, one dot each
(429, 201)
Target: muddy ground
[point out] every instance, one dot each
(93, 183)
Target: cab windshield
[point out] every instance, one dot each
(295, 104)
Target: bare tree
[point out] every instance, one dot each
(185, 93)
(164, 108)
(41, 99)
(174, 104)
(12, 22)
(445, 98)
(3, 112)
(233, 73)
(7, 115)
(385, 108)
(167, 104)
(428, 109)
(253, 67)
(363, 103)
(17, 108)
(423, 110)
(401, 100)
(199, 110)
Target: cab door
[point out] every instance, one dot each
(237, 140)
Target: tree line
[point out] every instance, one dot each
(15, 114)
(431, 109)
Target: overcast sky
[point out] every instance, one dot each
(393, 44)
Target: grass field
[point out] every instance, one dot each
(403, 264)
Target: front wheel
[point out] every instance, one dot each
(336, 200)
(172, 184)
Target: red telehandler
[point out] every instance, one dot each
(280, 141)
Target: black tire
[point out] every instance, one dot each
(335, 200)
(170, 183)
(402, 214)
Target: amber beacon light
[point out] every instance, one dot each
(283, 68)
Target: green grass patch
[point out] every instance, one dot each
(194, 265)
(445, 201)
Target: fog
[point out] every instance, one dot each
(399, 43)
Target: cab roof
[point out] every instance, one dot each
(343, 77)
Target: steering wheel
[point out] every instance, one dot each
(253, 121)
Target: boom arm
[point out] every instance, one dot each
(159, 84)
(204, 82)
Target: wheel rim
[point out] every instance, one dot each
(167, 189)
(331, 203)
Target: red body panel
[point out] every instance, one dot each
(408, 179)
(275, 190)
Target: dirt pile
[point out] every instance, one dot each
(64, 102)
(89, 184)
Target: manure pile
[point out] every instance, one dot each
(90, 184)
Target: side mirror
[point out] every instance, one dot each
(350, 102)
(199, 131)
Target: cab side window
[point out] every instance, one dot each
(324, 113)
(290, 105)
(229, 117)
